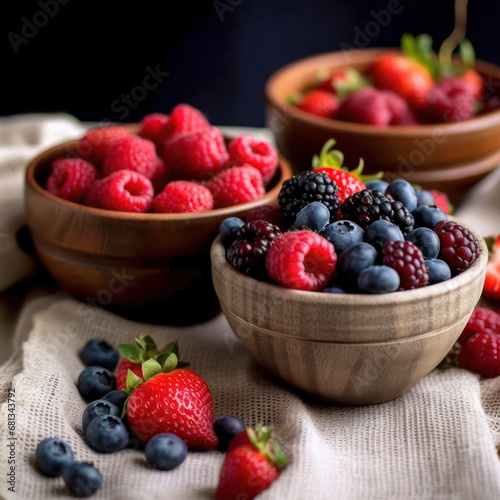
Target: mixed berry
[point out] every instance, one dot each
(175, 164)
(377, 237)
(411, 88)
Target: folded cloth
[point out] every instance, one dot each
(438, 441)
(21, 138)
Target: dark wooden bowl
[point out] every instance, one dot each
(105, 257)
(449, 156)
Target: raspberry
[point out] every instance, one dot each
(181, 197)
(302, 260)
(197, 156)
(441, 201)
(248, 251)
(94, 144)
(131, 153)
(246, 149)
(302, 189)
(71, 178)
(405, 258)
(236, 185)
(320, 102)
(459, 247)
(481, 321)
(152, 127)
(450, 101)
(160, 176)
(184, 119)
(274, 215)
(125, 190)
(481, 354)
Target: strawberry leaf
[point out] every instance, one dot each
(173, 347)
(490, 241)
(467, 54)
(150, 368)
(147, 344)
(170, 363)
(279, 459)
(132, 353)
(132, 381)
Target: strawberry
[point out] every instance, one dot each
(329, 84)
(330, 162)
(402, 75)
(170, 398)
(343, 82)
(134, 356)
(250, 468)
(441, 201)
(319, 102)
(491, 287)
(474, 83)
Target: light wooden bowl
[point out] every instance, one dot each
(352, 349)
(106, 257)
(448, 156)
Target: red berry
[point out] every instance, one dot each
(273, 215)
(240, 439)
(459, 247)
(236, 185)
(131, 153)
(333, 79)
(152, 126)
(401, 113)
(71, 178)
(122, 372)
(492, 282)
(408, 261)
(160, 176)
(302, 260)
(450, 100)
(94, 144)
(474, 83)
(125, 190)
(441, 201)
(320, 102)
(181, 197)
(246, 149)
(196, 156)
(481, 321)
(481, 354)
(347, 183)
(184, 119)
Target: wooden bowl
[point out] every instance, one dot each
(352, 349)
(106, 257)
(448, 156)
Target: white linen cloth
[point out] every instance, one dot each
(440, 441)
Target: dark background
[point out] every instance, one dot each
(85, 57)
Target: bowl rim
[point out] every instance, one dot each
(358, 299)
(475, 124)
(31, 182)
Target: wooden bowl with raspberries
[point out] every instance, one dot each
(433, 122)
(126, 215)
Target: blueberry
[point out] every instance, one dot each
(427, 240)
(97, 408)
(98, 352)
(116, 397)
(82, 479)
(226, 428)
(53, 455)
(228, 229)
(438, 271)
(378, 279)
(107, 434)
(94, 382)
(428, 216)
(314, 216)
(333, 289)
(424, 197)
(356, 258)
(343, 234)
(403, 191)
(377, 185)
(382, 231)
(166, 451)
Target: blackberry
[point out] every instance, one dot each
(408, 261)
(459, 247)
(368, 206)
(248, 251)
(305, 188)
